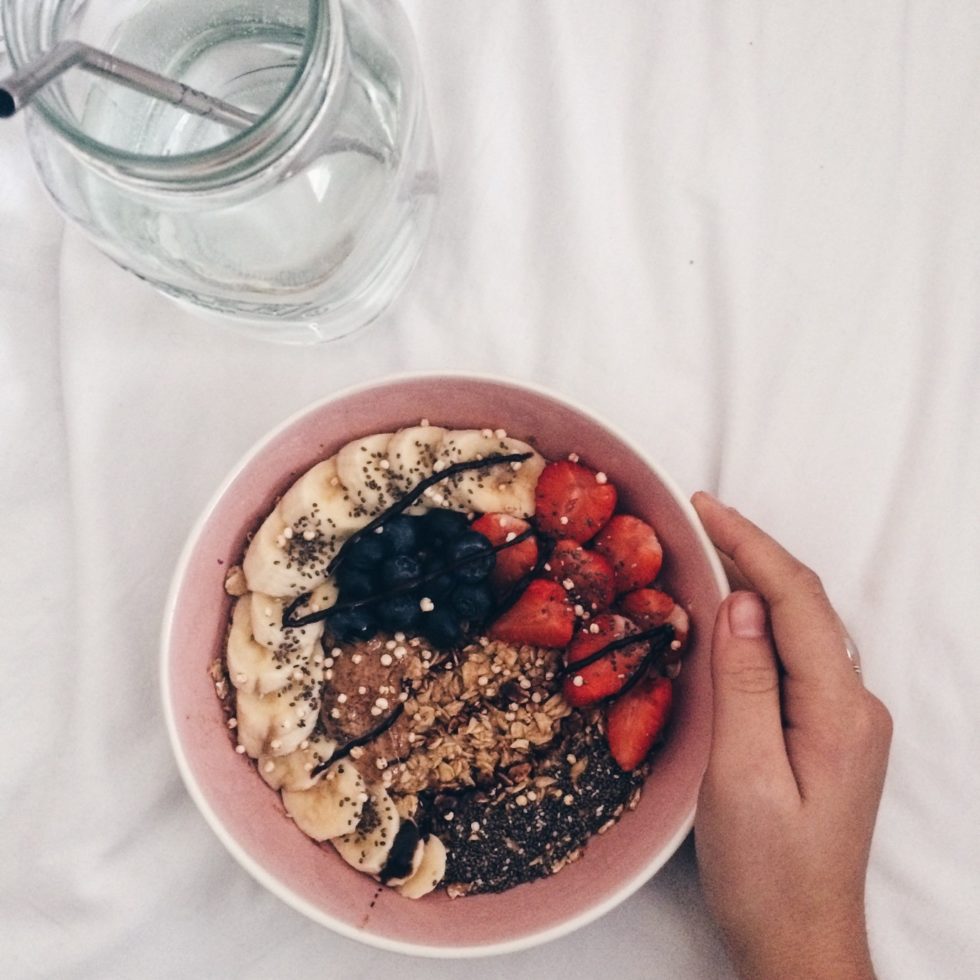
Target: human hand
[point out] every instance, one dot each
(798, 756)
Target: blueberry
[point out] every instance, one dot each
(352, 624)
(400, 571)
(462, 555)
(355, 583)
(442, 628)
(442, 583)
(365, 553)
(400, 612)
(399, 536)
(472, 602)
(440, 527)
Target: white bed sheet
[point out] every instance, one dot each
(746, 231)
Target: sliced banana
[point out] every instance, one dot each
(431, 870)
(365, 471)
(407, 806)
(367, 848)
(252, 667)
(323, 596)
(286, 642)
(319, 502)
(294, 771)
(332, 806)
(412, 453)
(275, 724)
(505, 489)
(269, 566)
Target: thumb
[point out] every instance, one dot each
(747, 728)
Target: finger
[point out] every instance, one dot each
(808, 632)
(736, 580)
(747, 736)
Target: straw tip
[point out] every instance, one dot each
(7, 105)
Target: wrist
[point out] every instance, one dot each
(839, 955)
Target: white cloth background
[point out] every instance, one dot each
(747, 231)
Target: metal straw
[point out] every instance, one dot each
(18, 89)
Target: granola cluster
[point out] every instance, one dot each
(465, 719)
(482, 717)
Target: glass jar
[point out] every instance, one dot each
(302, 226)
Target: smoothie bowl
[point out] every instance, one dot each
(435, 664)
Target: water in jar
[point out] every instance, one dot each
(321, 229)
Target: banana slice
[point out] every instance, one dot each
(430, 871)
(252, 667)
(323, 596)
(367, 848)
(276, 723)
(412, 452)
(332, 806)
(290, 643)
(364, 469)
(500, 489)
(318, 502)
(255, 668)
(292, 772)
(283, 563)
(271, 568)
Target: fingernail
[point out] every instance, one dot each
(747, 616)
(709, 498)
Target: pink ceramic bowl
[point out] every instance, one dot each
(248, 817)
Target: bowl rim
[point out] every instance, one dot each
(196, 792)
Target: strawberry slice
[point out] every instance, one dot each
(634, 550)
(512, 563)
(651, 607)
(608, 675)
(586, 575)
(571, 502)
(542, 616)
(634, 720)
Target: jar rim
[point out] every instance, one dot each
(234, 152)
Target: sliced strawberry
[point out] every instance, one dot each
(571, 502)
(634, 550)
(605, 676)
(634, 720)
(512, 563)
(651, 607)
(586, 575)
(542, 616)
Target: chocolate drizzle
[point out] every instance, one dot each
(664, 634)
(655, 653)
(405, 502)
(372, 733)
(291, 620)
(401, 857)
